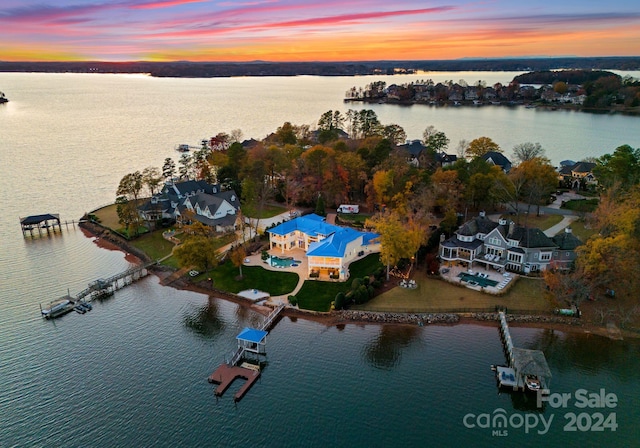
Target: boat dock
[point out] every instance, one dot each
(97, 289)
(526, 370)
(250, 340)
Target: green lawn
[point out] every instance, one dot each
(317, 295)
(253, 277)
(578, 229)
(153, 244)
(434, 295)
(268, 211)
(542, 222)
(582, 205)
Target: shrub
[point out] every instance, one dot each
(355, 284)
(340, 301)
(293, 300)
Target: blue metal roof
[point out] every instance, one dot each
(334, 245)
(252, 335)
(312, 225)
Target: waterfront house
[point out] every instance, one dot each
(497, 158)
(577, 175)
(565, 253)
(192, 200)
(329, 248)
(415, 152)
(503, 245)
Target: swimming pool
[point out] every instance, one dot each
(481, 281)
(283, 262)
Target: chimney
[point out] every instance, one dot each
(502, 222)
(567, 230)
(512, 227)
(482, 214)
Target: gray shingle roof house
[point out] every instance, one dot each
(503, 245)
(197, 200)
(496, 158)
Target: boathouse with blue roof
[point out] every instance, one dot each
(329, 248)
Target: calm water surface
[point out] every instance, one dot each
(133, 371)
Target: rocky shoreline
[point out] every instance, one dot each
(561, 323)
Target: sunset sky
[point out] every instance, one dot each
(313, 30)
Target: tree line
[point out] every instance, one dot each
(353, 158)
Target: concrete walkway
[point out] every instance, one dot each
(566, 222)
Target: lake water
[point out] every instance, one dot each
(133, 371)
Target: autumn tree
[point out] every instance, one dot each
(199, 251)
(540, 180)
(608, 258)
(237, 256)
(152, 178)
(482, 145)
(398, 239)
(527, 151)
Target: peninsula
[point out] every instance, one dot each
(586, 90)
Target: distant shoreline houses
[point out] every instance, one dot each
(457, 94)
(505, 246)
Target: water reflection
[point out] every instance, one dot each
(590, 353)
(204, 320)
(247, 317)
(385, 351)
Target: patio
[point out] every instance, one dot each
(479, 279)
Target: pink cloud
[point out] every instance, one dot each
(316, 21)
(164, 4)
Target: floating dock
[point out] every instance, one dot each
(250, 340)
(523, 365)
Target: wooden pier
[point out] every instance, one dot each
(521, 364)
(105, 287)
(249, 341)
(102, 288)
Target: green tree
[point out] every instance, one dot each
(169, 169)
(622, 167)
(320, 209)
(394, 133)
(434, 140)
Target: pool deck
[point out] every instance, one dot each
(504, 280)
(300, 269)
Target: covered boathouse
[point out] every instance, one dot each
(47, 222)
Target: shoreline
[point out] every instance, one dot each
(110, 241)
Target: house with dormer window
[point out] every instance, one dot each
(192, 200)
(503, 245)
